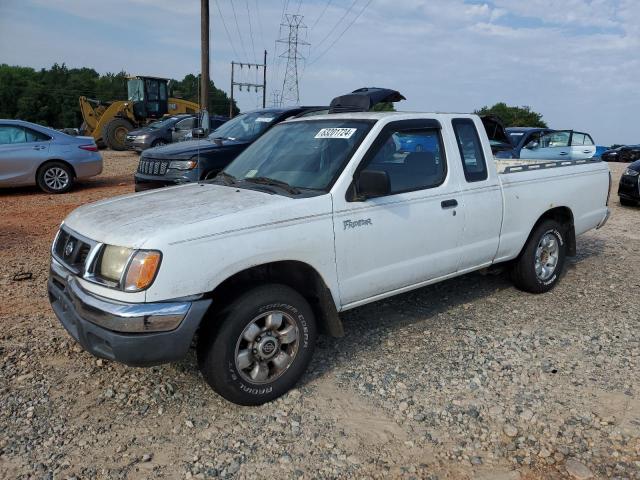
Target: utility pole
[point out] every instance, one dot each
(204, 52)
(248, 85)
(293, 39)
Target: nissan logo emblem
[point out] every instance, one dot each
(68, 249)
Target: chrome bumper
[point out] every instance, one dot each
(119, 316)
(136, 334)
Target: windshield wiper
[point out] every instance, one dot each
(273, 182)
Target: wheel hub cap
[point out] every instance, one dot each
(267, 347)
(547, 255)
(56, 178)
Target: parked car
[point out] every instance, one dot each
(519, 137)
(627, 153)
(559, 145)
(629, 187)
(161, 132)
(31, 154)
(319, 215)
(214, 122)
(194, 160)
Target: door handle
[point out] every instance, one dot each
(449, 203)
(39, 147)
(586, 151)
(564, 153)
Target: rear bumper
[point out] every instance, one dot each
(163, 331)
(89, 168)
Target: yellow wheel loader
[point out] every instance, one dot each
(148, 99)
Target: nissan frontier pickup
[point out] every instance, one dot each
(320, 215)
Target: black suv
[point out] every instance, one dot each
(195, 160)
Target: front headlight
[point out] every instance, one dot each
(631, 173)
(113, 262)
(130, 270)
(183, 164)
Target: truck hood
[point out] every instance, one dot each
(175, 213)
(189, 148)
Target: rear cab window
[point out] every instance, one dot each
(470, 148)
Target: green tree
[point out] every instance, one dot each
(514, 116)
(50, 96)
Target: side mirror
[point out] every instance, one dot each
(372, 183)
(198, 132)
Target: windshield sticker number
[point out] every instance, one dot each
(264, 119)
(336, 133)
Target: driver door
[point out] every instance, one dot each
(410, 235)
(182, 128)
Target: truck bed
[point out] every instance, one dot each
(524, 165)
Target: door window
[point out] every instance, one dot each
(10, 134)
(413, 159)
(588, 140)
(473, 161)
(34, 136)
(577, 139)
(555, 139)
(186, 124)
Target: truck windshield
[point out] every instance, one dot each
(135, 90)
(304, 154)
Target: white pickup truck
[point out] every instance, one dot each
(320, 215)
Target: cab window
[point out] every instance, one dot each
(33, 136)
(186, 124)
(473, 161)
(413, 159)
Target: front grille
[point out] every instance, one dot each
(153, 167)
(71, 251)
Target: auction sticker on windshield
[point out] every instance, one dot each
(264, 119)
(336, 133)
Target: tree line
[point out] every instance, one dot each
(50, 96)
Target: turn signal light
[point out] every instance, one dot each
(142, 270)
(89, 148)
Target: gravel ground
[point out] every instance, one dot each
(466, 379)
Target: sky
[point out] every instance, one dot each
(575, 61)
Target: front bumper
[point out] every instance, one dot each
(136, 145)
(629, 187)
(147, 182)
(136, 334)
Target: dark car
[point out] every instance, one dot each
(629, 187)
(628, 153)
(161, 132)
(195, 160)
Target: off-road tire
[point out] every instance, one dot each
(523, 271)
(216, 349)
(158, 143)
(51, 170)
(114, 133)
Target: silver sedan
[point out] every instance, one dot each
(31, 154)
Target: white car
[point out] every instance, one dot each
(320, 215)
(560, 145)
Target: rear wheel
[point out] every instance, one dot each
(628, 203)
(115, 132)
(55, 177)
(539, 266)
(262, 347)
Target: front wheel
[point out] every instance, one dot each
(540, 265)
(262, 348)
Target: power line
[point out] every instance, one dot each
(224, 24)
(253, 46)
(299, 5)
(321, 15)
(338, 23)
(341, 34)
(244, 50)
